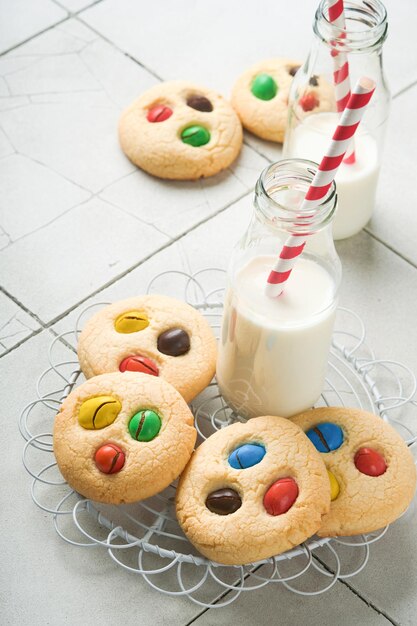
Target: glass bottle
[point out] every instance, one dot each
(313, 116)
(273, 351)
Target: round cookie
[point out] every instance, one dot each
(123, 437)
(251, 491)
(260, 97)
(180, 130)
(371, 469)
(154, 335)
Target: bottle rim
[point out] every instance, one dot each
(366, 26)
(296, 174)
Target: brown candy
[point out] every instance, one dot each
(200, 103)
(223, 501)
(293, 70)
(314, 81)
(174, 342)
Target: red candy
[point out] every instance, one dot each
(159, 113)
(370, 462)
(109, 458)
(280, 496)
(309, 102)
(135, 363)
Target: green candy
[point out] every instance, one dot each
(195, 136)
(145, 425)
(264, 87)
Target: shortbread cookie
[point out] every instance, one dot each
(251, 491)
(180, 130)
(372, 472)
(123, 437)
(153, 335)
(260, 96)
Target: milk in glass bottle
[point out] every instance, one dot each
(273, 351)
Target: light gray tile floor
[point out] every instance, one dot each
(20, 20)
(15, 324)
(213, 52)
(395, 220)
(79, 224)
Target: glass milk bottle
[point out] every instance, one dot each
(314, 101)
(273, 351)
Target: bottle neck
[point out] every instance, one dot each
(366, 27)
(279, 196)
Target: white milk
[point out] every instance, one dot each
(273, 351)
(356, 183)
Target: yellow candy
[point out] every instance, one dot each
(99, 412)
(131, 322)
(334, 486)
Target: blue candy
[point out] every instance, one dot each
(326, 437)
(247, 455)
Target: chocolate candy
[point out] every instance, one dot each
(370, 462)
(264, 87)
(223, 501)
(309, 101)
(326, 436)
(195, 136)
(334, 486)
(314, 81)
(174, 342)
(247, 455)
(137, 363)
(200, 103)
(159, 113)
(98, 412)
(131, 322)
(145, 425)
(280, 496)
(109, 458)
(293, 70)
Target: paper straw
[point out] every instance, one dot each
(322, 181)
(341, 68)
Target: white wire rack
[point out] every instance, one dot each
(144, 538)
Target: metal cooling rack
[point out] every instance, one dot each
(144, 538)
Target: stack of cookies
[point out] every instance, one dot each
(250, 491)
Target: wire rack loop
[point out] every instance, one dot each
(145, 538)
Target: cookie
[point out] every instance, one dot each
(153, 335)
(251, 491)
(123, 437)
(260, 97)
(180, 130)
(372, 471)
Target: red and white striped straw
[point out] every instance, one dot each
(322, 181)
(341, 68)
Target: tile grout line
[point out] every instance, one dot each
(41, 32)
(70, 15)
(357, 594)
(75, 13)
(390, 248)
(22, 341)
(36, 331)
(221, 595)
(404, 89)
(264, 156)
(22, 306)
(149, 256)
(343, 582)
(116, 47)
